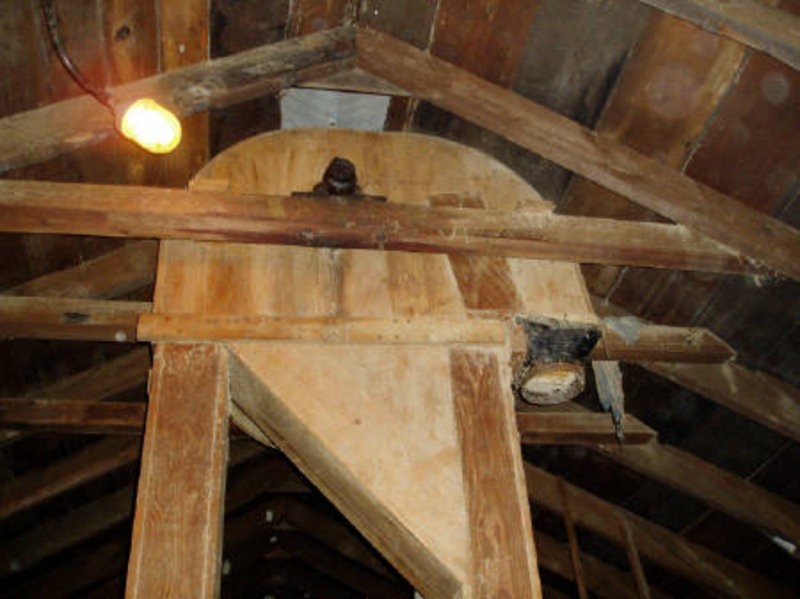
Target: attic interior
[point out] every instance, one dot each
(708, 496)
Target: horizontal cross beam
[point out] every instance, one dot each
(148, 212)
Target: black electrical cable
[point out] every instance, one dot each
(51, 22)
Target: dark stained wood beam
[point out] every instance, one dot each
(70, 319)
(751, 393)
(73, 416)
(126, 269)
(712, 485)
(602, 160)
(126, 211)
(43, 133)
(87, 464)
(658, 545)
(566, 428)
(177, 530)
(751, 22)
(671, 344)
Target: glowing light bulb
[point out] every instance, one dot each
(152, 126)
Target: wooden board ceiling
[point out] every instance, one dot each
(703, 104)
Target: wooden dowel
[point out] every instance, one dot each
(572, 536)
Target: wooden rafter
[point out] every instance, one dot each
(99, 458)
(72, 416)
(712, 485)
(604, 161)
(658, 545)
(44, 133)
(116, 273)
(125, 211)
(757, 24)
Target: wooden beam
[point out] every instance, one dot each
(92, 518)
(750, 22)
(712, 485)
(87, 464)
(503, 562)
(279, 421)
(69, 319)
(126, 269)
(44, 133)
(126, 211)
(566, 428)
(751, 393)
(73, 416)
(177, 531)
(656, 544)
(184, 40)
(329, 330)
(671, 344)
(609, 163)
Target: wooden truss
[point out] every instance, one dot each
(714, 232)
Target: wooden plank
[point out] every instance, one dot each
(177, 530)
(751, 393)
(69, 319)
(74, 416)
(710, 484)
(750, 22)
(38, 486)
(116, 273)
(609, 163)
(566, 428)
(29, 137)
(126, 211)
(295, 438)
(184, 40)
(672, 344)
(656, 544)
(328, 330)
(503, 560)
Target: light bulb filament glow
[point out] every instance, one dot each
(152, 126)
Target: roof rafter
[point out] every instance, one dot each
(756, 24)
(31, 137)
(602, 160)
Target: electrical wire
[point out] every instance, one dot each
(51, 23)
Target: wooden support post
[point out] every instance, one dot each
(177, 532)
(633, 559)
(574, 548)
(503, 554)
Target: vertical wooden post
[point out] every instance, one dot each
(503, 554)
(572, 536)
(177, 529)
(633, 557)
